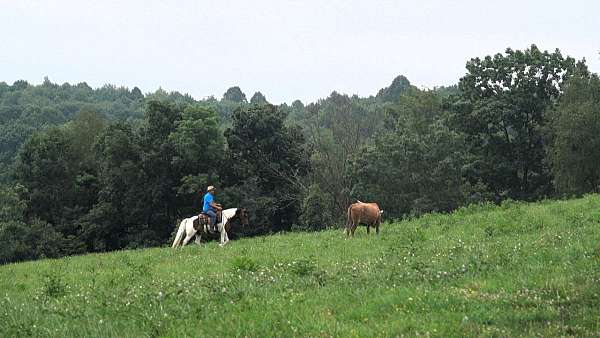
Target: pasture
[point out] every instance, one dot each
(512, 270)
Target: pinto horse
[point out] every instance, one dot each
(194, 226)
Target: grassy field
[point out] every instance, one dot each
(513, 270)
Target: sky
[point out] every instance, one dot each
(286, 49)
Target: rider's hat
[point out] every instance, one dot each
(210, 188)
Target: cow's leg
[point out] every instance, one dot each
(368, 229)
(354, 228)
(377, 228)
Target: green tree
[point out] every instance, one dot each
(124, 201)
(235, 94)
(575, 127)
(200, 151)
(415, 166)
(316, 209)
(157, 154)
(336, 128)
(269, 160)
(502, 110)
(258, 98)
(395, 90)
(47, 167)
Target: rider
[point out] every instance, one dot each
(210, 207)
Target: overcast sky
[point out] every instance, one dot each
(285, 49)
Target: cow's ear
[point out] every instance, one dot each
(381, 212)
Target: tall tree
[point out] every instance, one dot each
(125, 199)
(336, 129)
(199, 153)
(395, 90)
(157, 155)
(269, 160)
(235, 94)
(575, 127)
(415, 165)
(503, 109)
(258, 98)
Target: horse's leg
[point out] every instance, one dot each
(186, 239)
(190, 232)
(226, 236)
(198, 238)
(222, 230)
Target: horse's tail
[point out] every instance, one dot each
(179, 236)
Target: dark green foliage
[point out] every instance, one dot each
(258, 98)
(268, 160)
(316, 209)
(395, 90)
(414, 167)
(33, 240)
(123, 198)
(575, 128)
(55, 168)
(235, 94)
(98, 187)
(12, 206)
(26, 109)
(336, 128)
(502, 110)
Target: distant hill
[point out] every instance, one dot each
(25, 109)
(511, 270)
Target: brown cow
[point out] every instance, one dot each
(368, 214)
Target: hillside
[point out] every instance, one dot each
(517, 269)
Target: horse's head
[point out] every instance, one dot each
(243, 215)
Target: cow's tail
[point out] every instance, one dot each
(179, 236)
(349, 221)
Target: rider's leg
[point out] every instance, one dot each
(213, 217)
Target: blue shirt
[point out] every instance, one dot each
(208, 199)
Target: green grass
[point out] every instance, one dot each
(513, 270)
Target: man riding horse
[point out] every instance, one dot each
(210, 207)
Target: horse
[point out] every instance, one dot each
(193, 226)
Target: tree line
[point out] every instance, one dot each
(91, 170)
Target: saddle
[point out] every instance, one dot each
(203, 221)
